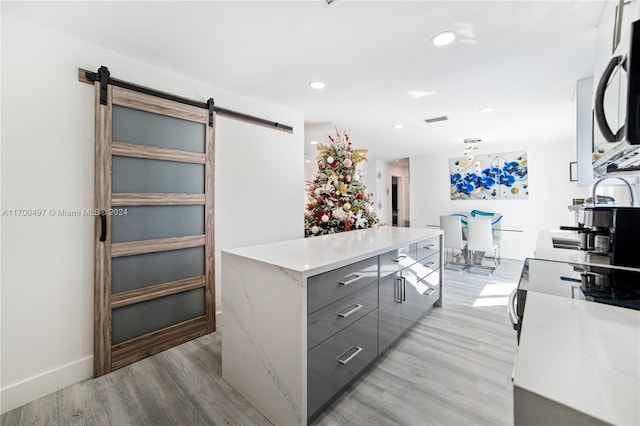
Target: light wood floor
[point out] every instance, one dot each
(453, 368)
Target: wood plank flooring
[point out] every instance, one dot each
(453, 368)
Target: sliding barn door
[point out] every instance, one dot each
(154, 251)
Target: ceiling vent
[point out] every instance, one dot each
(436, 119)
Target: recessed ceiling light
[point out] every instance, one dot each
(317, 85)
(486, 109)
(443, 38)
(417, 94)
(398, 126)
(314, 142)
(307, 161)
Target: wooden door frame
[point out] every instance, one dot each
(107, 356)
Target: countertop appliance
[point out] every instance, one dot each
(617, 110)
(617, 286)
(609, 235)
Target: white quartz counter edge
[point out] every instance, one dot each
(315, 255)
(582, 355)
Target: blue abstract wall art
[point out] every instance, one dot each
(490, 177)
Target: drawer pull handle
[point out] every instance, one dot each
(428, 246)
(349, 310)
(429, 291)
(399, 258)
(404, 289)
(397, 290)
(350, 279)
(430, 264)
(353, 350)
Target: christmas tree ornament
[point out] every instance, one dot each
(347, 162)
(329, 160)
(315, 229)
(338, 213)
(346, 206)
(347, 178)
(356, 177)
(324, 218)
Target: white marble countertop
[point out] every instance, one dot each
(319, 254)
(583, 355)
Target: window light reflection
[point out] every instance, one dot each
(491, 301)
(494, 295)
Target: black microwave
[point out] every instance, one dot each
(617, 110)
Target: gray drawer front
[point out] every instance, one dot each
(430, 289)
(395, 260)
(326, 376)
(331, 286)
(426, 266)
(329, 320)
(419, 297)
(428, 247)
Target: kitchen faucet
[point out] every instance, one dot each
(595, 186)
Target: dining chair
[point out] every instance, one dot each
(481, 245)
(496, 222)
(454, 245)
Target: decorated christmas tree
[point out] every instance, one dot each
(337, 200)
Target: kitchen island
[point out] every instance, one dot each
(302, 319)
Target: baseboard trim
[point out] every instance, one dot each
(29, 390)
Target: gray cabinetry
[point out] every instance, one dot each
(395, 260)
(392, 322)
(327, 321)
(406, 295)
(331, 286)
(338, 360)
(303, 317)
(342, 328)
(427, 248)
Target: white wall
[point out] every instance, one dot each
(47, 163)
(381, 188)
(546, 208)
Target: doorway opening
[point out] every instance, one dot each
(400, 203)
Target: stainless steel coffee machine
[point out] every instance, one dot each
(611, 235)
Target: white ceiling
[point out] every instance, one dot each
(522, 58)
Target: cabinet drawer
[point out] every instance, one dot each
(395, 260)
(426, 266)
(332, 364)
(430, 287)
(329, 320)
(324, 289)
(427, 247)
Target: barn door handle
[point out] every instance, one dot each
(103, 226)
